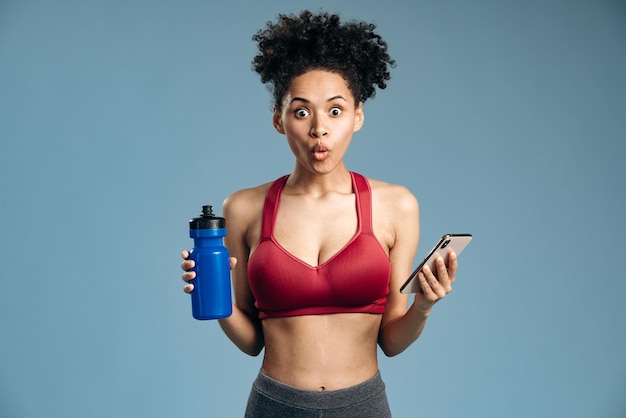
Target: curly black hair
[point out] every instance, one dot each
(296, 44)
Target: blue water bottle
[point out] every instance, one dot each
(211, 296)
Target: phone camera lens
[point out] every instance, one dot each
(445, 244)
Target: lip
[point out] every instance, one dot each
(320, 152)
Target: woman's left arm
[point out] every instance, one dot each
(400, 325)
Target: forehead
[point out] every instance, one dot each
(318, 85)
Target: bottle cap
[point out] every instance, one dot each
(207, 220)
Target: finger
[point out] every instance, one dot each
(443, 279)
(437, 290)
(187, 265)
(188, 288)
(189, 275)
(233, 262)
(423, 281)
(453, 265)
(185, 254)
(425, 278)
(428, 279)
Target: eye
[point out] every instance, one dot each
(302, 113)
(335, 111)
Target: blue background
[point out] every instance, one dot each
(119, 119)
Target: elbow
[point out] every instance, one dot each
(388, 347)
(391, 351)
(391, 344)
(252, 347)
(252, 351)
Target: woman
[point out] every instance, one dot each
(319, 255)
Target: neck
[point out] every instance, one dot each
(305, 182)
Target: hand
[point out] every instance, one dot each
(436, 285)
(188, 275)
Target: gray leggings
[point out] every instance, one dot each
(270, 398)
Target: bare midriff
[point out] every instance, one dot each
(321, 352)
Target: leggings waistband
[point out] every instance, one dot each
(323, 399)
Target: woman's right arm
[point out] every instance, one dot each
(243, 327)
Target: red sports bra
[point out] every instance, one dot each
(355, 279)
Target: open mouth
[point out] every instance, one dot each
(320, 152)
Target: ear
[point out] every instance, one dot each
(359, 117)
(277, 121)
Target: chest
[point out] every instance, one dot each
(315, 229)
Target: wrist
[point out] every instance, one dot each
(421, 311)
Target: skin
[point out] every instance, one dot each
(317, 117)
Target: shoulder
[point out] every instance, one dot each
(395, 213)
(246, 203)
(394, 199)
(244, 197)
(243, 211)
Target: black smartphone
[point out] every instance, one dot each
(447, 244)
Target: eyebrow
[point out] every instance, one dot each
(301, 99)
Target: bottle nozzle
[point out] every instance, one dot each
(207, 220)
(207, 210)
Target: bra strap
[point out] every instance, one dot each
(271, 204)
(364, 201)
(363, 198)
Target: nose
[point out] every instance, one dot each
(319, 128)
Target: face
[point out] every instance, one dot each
(318, 117)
